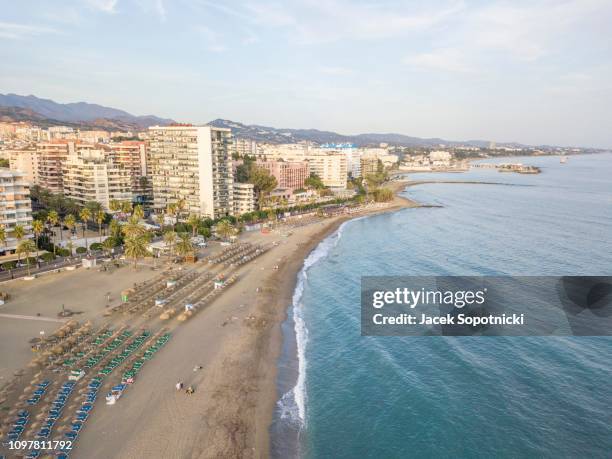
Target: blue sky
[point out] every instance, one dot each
(528, 71)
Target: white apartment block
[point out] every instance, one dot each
(15, 205)
(26, 161)
(194, 164)
(245, 147)
(132, 155)
(244, 198)
(91, 176)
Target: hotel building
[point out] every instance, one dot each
(289, 174)
(15, 205)
(194, 164)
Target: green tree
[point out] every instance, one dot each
(37, 228)
(108, 245)
(70, 222)
(225, 229)
(114, 205)
(70, 247)
(170, 240)
(126, 207)
(184, 246)
(194, 222)
(3, 235)
(85, 216)
(314, 181)
(138, 212)
(100, 217)
(172, 212)
(26, 247)
(135, 247)
(53, 220)
(114, 229)
(133, 228)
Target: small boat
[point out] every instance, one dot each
(563, 159)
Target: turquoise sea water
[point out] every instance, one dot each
(349, 396)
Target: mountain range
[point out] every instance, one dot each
(45, 112)
(79, 113)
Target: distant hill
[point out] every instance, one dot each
(275, 135)
(82, 113)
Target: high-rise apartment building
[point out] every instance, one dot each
(132, 155)
(26, 161)
(15, 205)
(192, 164)
(51, 157)
(91, 176)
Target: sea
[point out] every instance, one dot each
(349, 396)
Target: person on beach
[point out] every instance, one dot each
(179, 385)
(189, 390)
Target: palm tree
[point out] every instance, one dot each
(100, 217)
(172, 211)
(126, 207)
(3, 235)
(135, 247)
(225, 229)
(138, 212)
(70, 222)
(184, 246)
(85, 216)
(19, 233)
(133, 228)
(114, 229)
(114, 205)
(180, 206)
(109, 245)
(70, 246)
(26, 247)
(53, 219)
(169, 240)
(194, 222)
(37, 228)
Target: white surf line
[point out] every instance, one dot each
(40, 318)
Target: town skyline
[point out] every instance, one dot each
(456, 70)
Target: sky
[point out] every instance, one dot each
(535, 72)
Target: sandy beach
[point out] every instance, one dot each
(236, 340)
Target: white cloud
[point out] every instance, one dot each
(317, 21)
(160, 9)
(212, 38)
(106, 6)
(335, 70)
(446, 60)
(14, 31)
